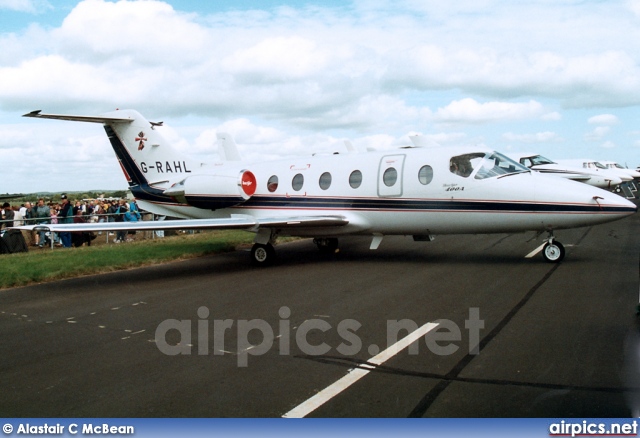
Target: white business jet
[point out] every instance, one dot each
(612, 165)
(591, 165)
(548, 167)
(410, 191)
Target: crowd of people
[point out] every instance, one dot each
(65, 212)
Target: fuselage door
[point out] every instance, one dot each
(390, 175)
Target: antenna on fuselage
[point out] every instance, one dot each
(421, 141)
(227, 148)
(350, 147)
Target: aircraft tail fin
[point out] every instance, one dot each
(145, 156)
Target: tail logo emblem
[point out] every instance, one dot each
(141, 138)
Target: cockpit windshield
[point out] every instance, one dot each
(484, 165)
(539, 159)
(594, 165)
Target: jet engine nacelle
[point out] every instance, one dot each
(214, 191)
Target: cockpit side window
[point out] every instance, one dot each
(463, 165)
(598, 165)
(539, 159)
(484, 165)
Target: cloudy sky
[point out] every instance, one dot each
(557, 77)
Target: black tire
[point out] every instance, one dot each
(553, 252)
(262, 255)
(328, 245)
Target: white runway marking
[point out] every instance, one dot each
(313, 403)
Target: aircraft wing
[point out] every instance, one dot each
(241, 222)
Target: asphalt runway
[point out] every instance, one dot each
(555, 340)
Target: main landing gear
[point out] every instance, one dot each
(263, 254)
(327, 245)
(553, 251)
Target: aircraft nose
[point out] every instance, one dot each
(573, 204)
(615, 180)
(615, 204)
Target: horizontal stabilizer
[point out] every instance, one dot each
(92, 119)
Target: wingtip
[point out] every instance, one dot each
(33, 113)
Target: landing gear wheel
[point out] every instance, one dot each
(262, 255)
(327, 245)
(553, 252)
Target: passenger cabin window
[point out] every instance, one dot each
(355, 179)
(390, 176)
(297, 182)
(484, 165)
(425, 175)
(325, 181)
(272, 184)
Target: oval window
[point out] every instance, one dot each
(425, 175)
(297, 182)
(390, 176)
(325, 181)
(272, 184)
(355, 179)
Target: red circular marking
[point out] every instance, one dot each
(248, 182)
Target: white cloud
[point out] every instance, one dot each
(297, 79)
(471, 111)
(603, 119)
(597, 134)
(608, 145)
(28, 6)
(634, 6)
(539, 137)
(552, 116)
(278, 59)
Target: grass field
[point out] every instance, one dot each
(43, 265)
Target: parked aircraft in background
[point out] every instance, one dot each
(548, 167)
(409, 191)
(8, 196)
(621, 169)
(596, 166)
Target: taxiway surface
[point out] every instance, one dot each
(557, 340)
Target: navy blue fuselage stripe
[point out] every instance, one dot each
(417, 205)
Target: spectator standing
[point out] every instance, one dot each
(65, 217)
(54, 220)
(121, 210)
(132, 215)
(29, 216)
(18, 218)
(113, 208)
(7, 215)
(42, 216)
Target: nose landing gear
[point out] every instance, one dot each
(553, 251)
